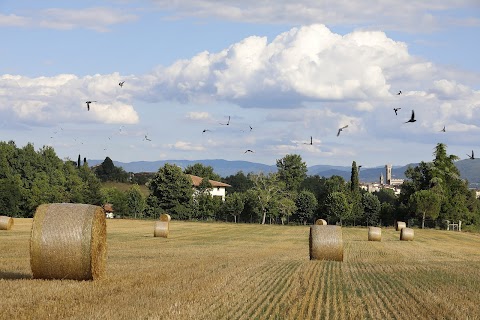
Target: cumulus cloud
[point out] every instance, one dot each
(307, 63)
(313, 74)
(62, 98)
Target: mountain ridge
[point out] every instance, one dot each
(469, 169)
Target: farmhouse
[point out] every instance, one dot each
(217, 190)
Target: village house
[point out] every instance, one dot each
(217, 190)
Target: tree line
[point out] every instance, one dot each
(432, 193)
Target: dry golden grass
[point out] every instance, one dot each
(228, 271)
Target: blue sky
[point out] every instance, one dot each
(293, 71)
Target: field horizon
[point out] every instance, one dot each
(223, 270)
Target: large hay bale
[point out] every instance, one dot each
(374, 234)
(165, 217)
(68, 241)
(406, 234)
(321, 222)
(326, 243)
(6, 223)
(161, 229)
(400, 225)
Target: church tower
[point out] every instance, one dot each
(388, 173)
(381, 178)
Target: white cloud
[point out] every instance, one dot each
(62, 98)
(198, 115)
(186, 146)
(13, 20)
(114, 113)
(421, 15)
(95, 18)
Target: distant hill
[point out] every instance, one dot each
(469, 169)
(222, 167)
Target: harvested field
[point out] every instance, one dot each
(239, 271)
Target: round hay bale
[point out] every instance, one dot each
(165, 217)
(400, 225)
(321, 222)
(6, 223)
(406, 234)
(68, 241)
(374, 234)
(326, 243)
(161, 229)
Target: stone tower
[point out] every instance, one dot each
(388, 173)
(381, 178)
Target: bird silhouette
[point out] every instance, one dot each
(121, 83)
(251, 128)
(399, 93)
(412, 118)
(205, 130)
(146, 138)
(249, 151)
(396, 109)
(472, 157)
(228, 122)
(443, 130)
(88, 104)
(340, 130)
(311, 141)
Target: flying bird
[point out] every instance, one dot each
(472, 157)
(311, 141)
(396, 109)
(443, 130)
(340, 130)
(88, 104)
(412, 118)
(251, 128)
(121, 83)
(146, 138)
(205, 130)
(249, 151)
(399, 93)
(228, 122)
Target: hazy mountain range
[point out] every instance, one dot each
(469, 169)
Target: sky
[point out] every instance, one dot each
(211, 79)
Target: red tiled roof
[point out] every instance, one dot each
(197, 180)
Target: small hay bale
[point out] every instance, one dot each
(374, 234)
(165, 217)
(326, 243)
(321, 222)
(400, 225)
(68, 241)
(406, 234)
(161, 229)
(6, 223)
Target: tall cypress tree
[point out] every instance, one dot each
(356, 197)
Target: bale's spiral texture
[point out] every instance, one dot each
(68, 241)
(161, 229)
(326, 243)
(6, 223)
(400, 225)
(165, 217)
(374, 234)
(321, 222)
(406, 234)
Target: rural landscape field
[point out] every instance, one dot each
(246, 271)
